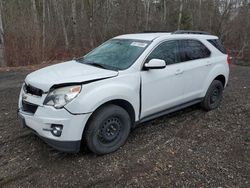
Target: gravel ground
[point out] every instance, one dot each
(189, 148)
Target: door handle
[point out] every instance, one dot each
(208, 63)
(178, 72)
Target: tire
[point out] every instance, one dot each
(213, 96)
(107, 130)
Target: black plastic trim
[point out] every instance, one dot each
(156, 31)
(191, 32)
(140, 98)
(64, 146)
(29, 107)
(169, 110)
(29, 89)
(153, 68)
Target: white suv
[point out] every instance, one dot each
(127, 80)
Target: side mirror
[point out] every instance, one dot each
(155, 64)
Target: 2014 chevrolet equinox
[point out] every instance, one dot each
(127, 80)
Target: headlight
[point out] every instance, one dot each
(62, 96)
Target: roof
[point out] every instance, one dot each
(153, 36)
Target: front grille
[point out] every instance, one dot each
(28, 107)
(32, 90)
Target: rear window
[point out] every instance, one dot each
(193, 49)
(217, 44)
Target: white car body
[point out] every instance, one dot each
(149, 93)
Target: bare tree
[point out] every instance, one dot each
(89, 7)
(35, 15)
(44, 28)
(74, 19)
(59, 11)
(164, 10)
(147, 4)
(59, 29)
(180, 15)
(2, 60)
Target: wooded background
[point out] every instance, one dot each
(35, 31)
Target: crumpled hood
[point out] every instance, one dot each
(68, 72)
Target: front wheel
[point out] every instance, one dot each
(108, 129)
(213, 96)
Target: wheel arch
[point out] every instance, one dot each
(126, 105)
(219, 72)
(222, 79)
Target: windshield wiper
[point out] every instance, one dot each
(79, 59)
(103, 66)
(97, 65)
(87, 62)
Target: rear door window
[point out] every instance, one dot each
(193, 49)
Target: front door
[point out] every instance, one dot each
(162, 88)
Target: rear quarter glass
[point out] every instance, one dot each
(217, 44)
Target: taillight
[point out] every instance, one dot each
(229, 59)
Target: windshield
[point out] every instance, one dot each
(115, 54)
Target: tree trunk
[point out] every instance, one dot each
(165, 11)
(35, 15)
(2, 60)
(37, 36)
(108, 16)
(44, 28)
(180, 15)
(74, 20)
(59, 11)
(200, 6)
(147, 11)
(89, 7)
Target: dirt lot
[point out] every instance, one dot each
(190, 148)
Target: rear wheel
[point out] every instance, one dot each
(213, 96)
(108, 129)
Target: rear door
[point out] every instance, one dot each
(197, 65)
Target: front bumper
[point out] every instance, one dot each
(40, 123)
(64, 146)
